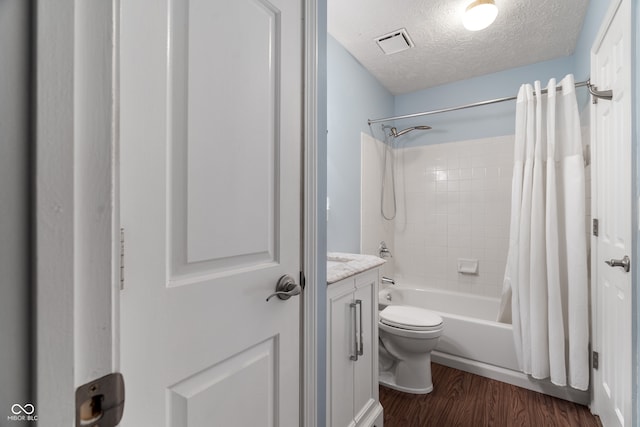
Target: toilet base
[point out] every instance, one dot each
(387, 379)
(412, 375)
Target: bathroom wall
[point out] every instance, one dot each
(353, 96)
(487, 121)
(455, 203)
(497, 119)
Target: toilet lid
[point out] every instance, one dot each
(409, 317)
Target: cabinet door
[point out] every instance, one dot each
(366, 368)
(340, 346)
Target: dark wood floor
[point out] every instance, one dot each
(466, 400)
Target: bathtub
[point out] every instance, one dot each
(472, 340)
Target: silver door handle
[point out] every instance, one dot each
(361, 345)
(286, 288)
(625, 263)
(357, 331)
(354, 357)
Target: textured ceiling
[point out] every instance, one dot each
(525, 32)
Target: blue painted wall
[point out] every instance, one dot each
(496, 119)
(353, 95)
(490, 120)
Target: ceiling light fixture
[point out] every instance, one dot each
(479, 15)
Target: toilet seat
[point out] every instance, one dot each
(410, 318)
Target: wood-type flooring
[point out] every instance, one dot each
(461, 399)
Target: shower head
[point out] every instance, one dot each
(395, 133)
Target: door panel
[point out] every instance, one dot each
(612, 144)
(241, 388)
(224, 117)
(340, 347)
(210, 177)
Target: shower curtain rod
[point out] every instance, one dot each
(604, 94)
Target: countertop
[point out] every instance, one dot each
(343, 265)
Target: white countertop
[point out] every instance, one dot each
(343, 265)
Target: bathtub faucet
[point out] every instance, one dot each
(388, 281)
(383, 251)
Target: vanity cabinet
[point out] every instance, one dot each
(352, 352)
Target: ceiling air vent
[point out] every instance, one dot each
(395, 42)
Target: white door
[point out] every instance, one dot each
(210, 181)
(611, 130)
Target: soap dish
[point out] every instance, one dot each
(467, 266)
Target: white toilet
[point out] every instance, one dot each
(407, 337)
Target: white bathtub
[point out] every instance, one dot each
(472, 340)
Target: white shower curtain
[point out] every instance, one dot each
(545, 291)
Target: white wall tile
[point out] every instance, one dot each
(453, 202)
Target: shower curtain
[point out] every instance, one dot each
(545, 290)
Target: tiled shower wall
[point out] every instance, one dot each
(454, 201)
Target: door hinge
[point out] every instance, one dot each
(595, 226)
(595, 358)
(121, 258)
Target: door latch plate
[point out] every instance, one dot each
(100, 403)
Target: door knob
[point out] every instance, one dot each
(625, 263)
(286, 288)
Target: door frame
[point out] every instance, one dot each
(635, 186)
(75, 210)
(77, 269)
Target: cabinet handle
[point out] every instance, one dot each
(361, 348)
(354, 357)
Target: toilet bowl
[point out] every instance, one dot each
(407, 335)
